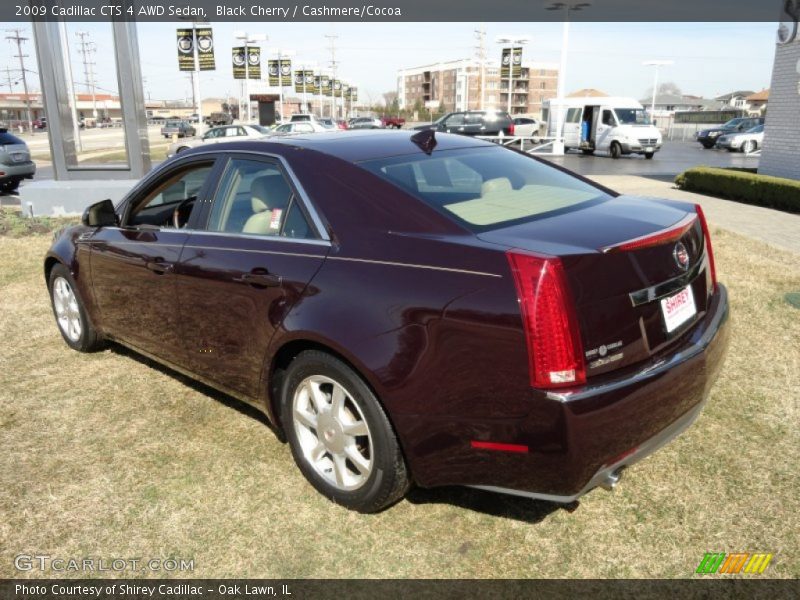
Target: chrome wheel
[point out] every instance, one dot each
(68, 314)
(332, 432)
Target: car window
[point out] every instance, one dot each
(172, 189)
(756, 129)
(485, 188)
(284, 128)
(608, 118)
(231, 131)
(303, 127)
(455, 120)
(475, 118)
(7, 139)
(574, 115)
(255, 198)
(213, 133)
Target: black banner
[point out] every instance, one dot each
(205, 48)
(511, 61)
(284, 65)
(185, 49)
(251, 68)
(204, 39)
(304, 82)
(325, 84)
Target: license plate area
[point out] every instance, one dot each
(678, 308)
(18, 157)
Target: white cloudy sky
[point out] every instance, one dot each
(710, 58)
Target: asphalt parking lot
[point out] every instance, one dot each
(672, 159)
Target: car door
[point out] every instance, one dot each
(132, 266)
(454, 123)
(605, 129)
(572, 126)
(245, 270)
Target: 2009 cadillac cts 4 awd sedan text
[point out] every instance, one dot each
(410, 307)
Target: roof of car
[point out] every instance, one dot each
(356, 145)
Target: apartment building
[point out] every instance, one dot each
(457, 86)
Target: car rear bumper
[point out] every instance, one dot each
(24, 170)
(572, 442)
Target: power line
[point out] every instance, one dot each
(87, 48)
(17, 37)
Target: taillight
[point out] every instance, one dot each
(709, 252)
(511, 129)
(555, 352)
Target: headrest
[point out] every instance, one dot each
(269, 192)
(499, 185)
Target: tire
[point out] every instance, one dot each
(615, 150)
(587, 152)
(68, 309)
(749, 146)
(181, 149)
(9, 186)
(329, 461)
(649, 155)
(707, 146)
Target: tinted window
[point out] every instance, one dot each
(608, 119)
(632, 116)
(455, 120)
(8, 139)
(574, 115)
(485, 188)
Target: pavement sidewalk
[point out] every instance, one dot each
(773, 227)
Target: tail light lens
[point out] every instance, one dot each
(511, 129)
(709, 251)
(555, 352)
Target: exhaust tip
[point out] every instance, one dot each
(611, 480)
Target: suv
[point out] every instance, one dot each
(15, 161)
(365, 123)
(300, 117)
(215, 119)
(708, 137)
(473, 122)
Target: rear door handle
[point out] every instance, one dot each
(158, 266)
(257, 279)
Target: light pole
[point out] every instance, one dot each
(512, 43)
(248, 39)
(281, 54)
(657, 64)
(558, 143)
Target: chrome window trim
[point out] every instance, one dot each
(316, 220)
(263, 238)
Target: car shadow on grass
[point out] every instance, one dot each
(490, 503)
(202, 388)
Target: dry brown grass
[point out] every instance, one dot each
(107, 455)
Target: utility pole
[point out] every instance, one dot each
(17, 37)
(86, 49)
(480, 34)
(9, 80)
(333, 37)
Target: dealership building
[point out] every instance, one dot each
(456, 85)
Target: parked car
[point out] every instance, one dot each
(473, 122)
(216, 119)
(193, 118)
(410, 307)
(182, 128)
(748, 141)
(708, 137)
(299, 117)
(365, 123)
(15, 161)
(526, 126)
(393, 122)
(40, 123)
(328, 123)
(298, 127)
(219, 134)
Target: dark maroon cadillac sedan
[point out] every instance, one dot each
(423, 309)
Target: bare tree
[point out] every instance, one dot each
(668, 88)
(389, 98)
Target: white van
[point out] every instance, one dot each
(609, 124)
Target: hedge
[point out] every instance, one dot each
(743, 186)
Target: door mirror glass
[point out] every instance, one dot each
(100, 214)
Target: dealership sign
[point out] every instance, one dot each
(249, 67)
(203, 39)
(304, 81)
(511, 62)
(280, 72)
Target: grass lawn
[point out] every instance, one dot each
(108, 455)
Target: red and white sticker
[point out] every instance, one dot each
(678, 309)
(275, 220)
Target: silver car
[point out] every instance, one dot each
(365, 123)
(226, 133)
(747, 141)
(15, 161)
(298, 127)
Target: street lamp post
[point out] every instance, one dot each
(512, 43)
(657, 64)
(248, 39)
(558, 143)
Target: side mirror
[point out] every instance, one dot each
(100, 214)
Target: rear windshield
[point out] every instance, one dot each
(485, 188)
(7, 139)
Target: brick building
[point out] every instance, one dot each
(457, 86)
(781, 153)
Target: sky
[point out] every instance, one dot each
(710, 59)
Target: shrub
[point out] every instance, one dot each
(743, 186)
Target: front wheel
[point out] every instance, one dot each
(649, 155)
(616, 150)
(73, 323)
(340, 436)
